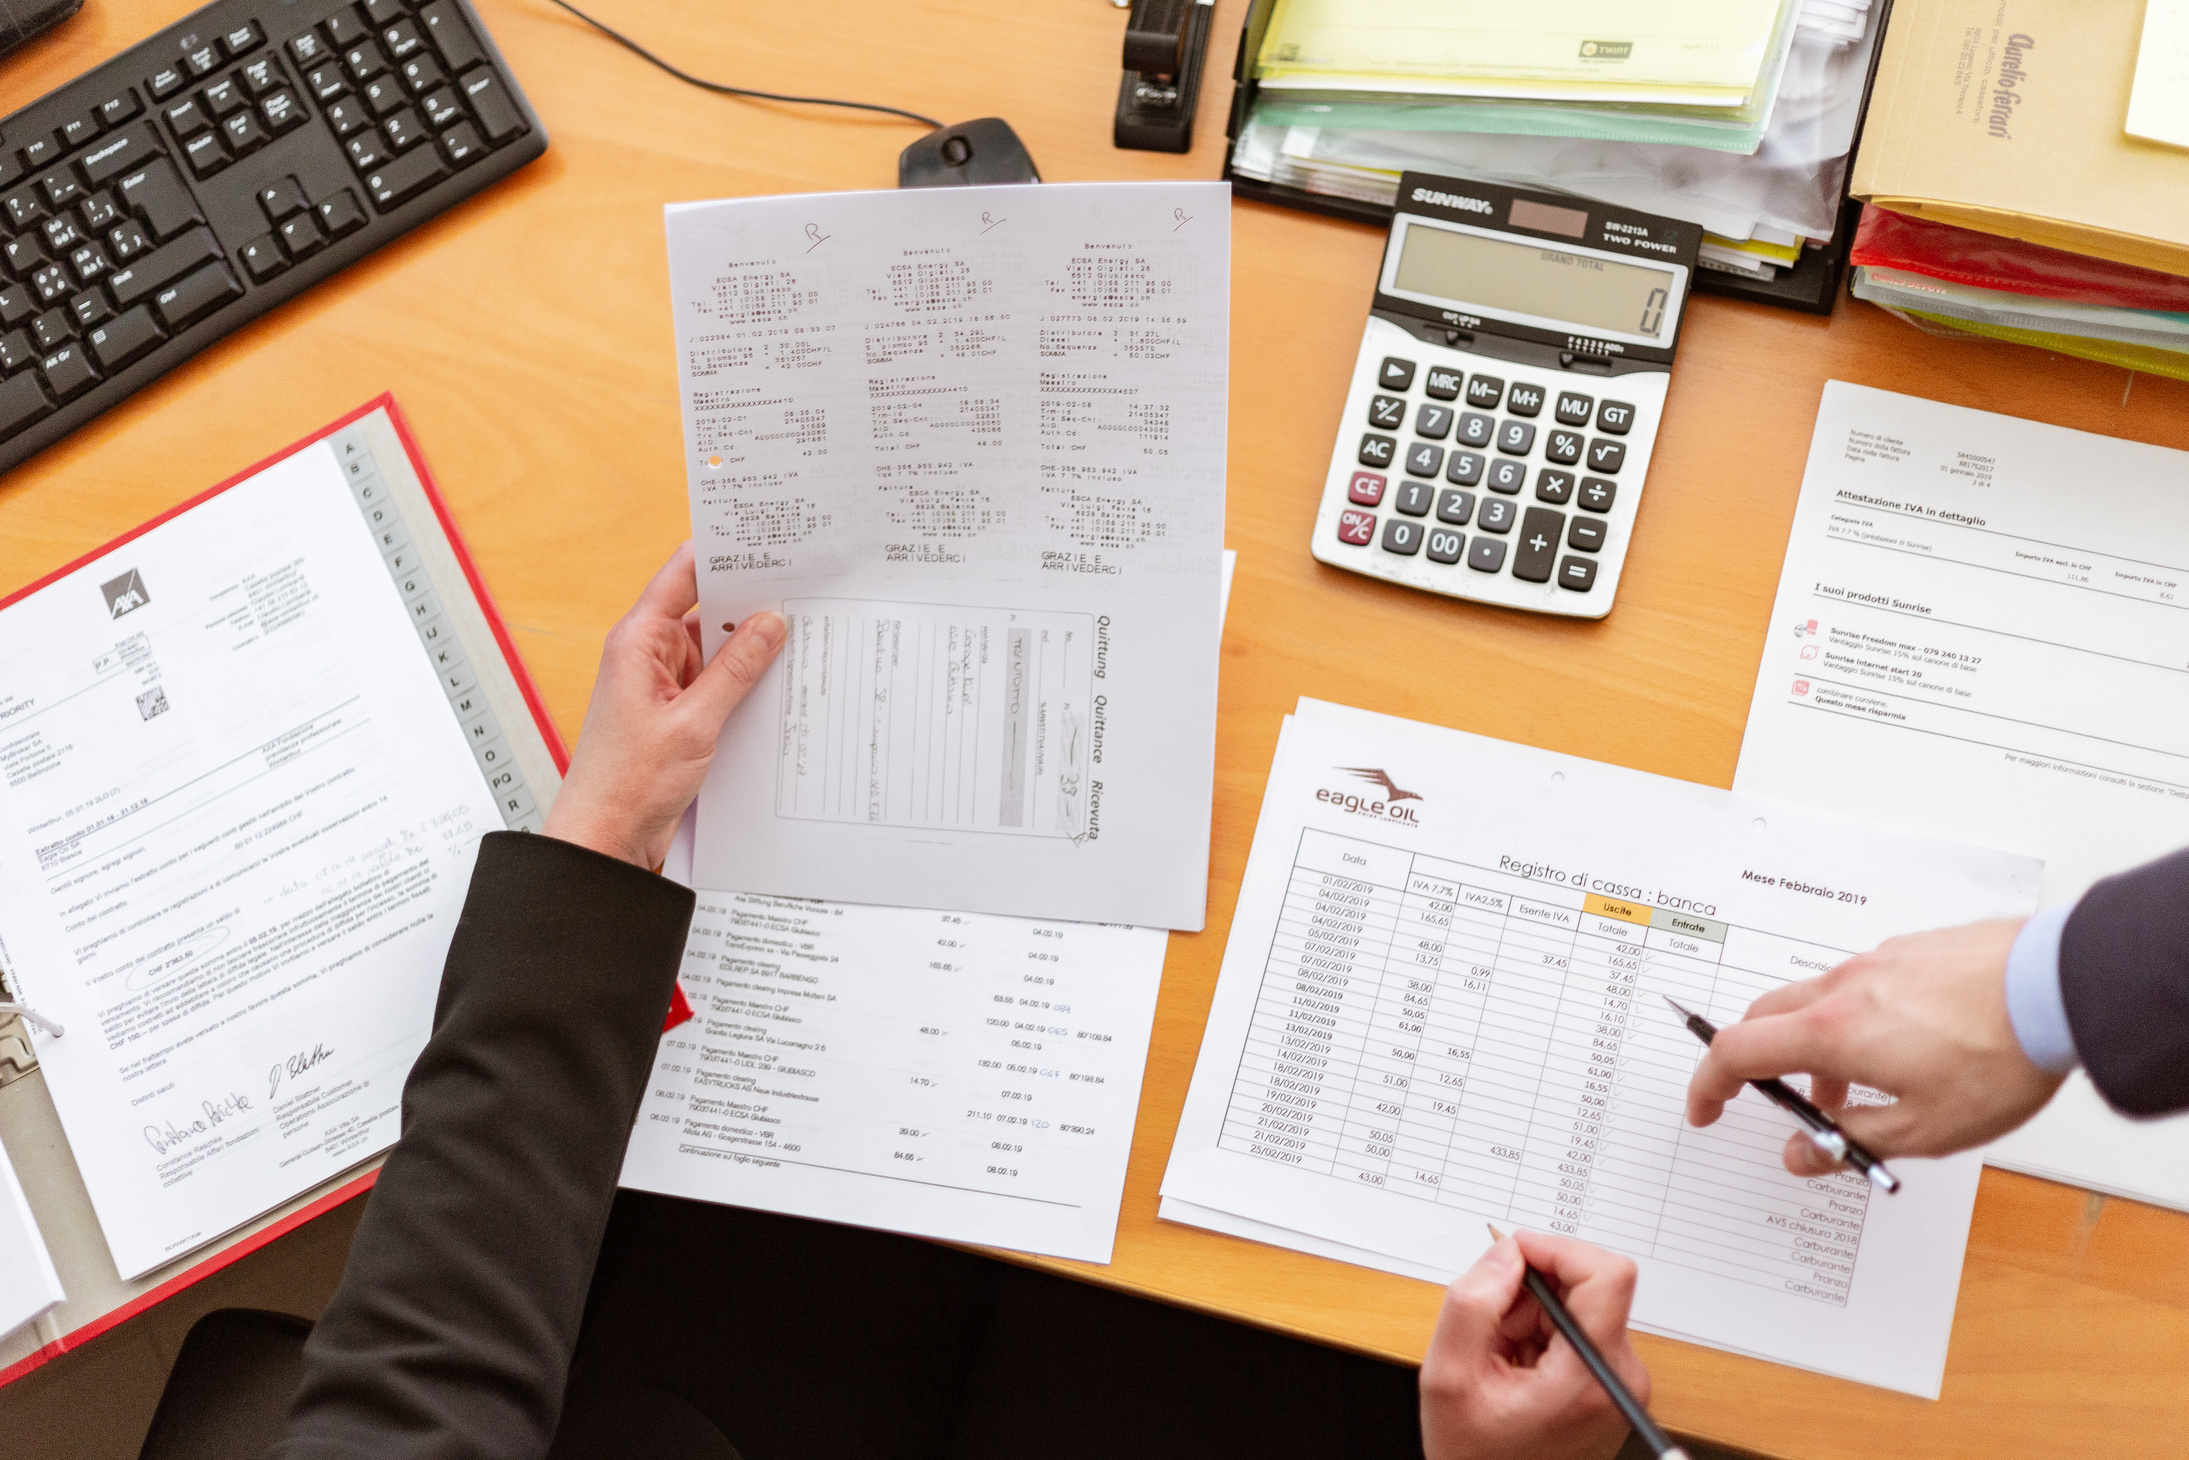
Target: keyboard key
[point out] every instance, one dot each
(301, 236)
(1597, 494)
(1424, 460)
(1375, 450)
(207, 153)
(366, 150)
(499, 120)
(89, 308)
(326, 82)
(421, 75)
(450, 36)
(460, 144)
(131, 147)
(281, 111)
(381, 12)
(24, 207)
(1563, 447)
(136, 280)
(223, 96)
(99, 212)
(16, 351)
(202, 62)
(402, 40)
(196, 296)
(51, 283)
(262, 76)
(61, 190)
(308, 49)
(11, 169)
(1366, 489)
(41, 151)
(383, 95)
(341, 214)
(24, 255)
(1442, 383)
(1455, 507)
(1497, 515)
(1356, 529)
(1524, 400)
(1485, 391)
(1507, 476)
(78, 131)
(1402, 537)
(404, 131)
(1434, 422)
(51, 330)
(1415, 498)
(345, 28)
(1463, 469)
(17, 306)
(69, 372)
(1444, 546)
(1606, 456)
(22, 401)
(1574, 408)
(1579, 574)
(1586, 533)
(1386, 412)
(60, 235)
(262, 258)
(347, 115)
(156, 194)
(245, 133)
(364, 61)
(1615, 416)
(126, 240)
(1474, 429)
(89, 262)
(1537, 549)
(1486, 555)
(1396, 374)
(1515, 438)
(242, 40)
(278, 199)
(129, 336)
(165, 82)
(1554, 486)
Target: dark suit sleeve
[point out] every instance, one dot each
(2124, 977)
(452, 1330)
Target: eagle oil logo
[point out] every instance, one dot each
(1387, 809)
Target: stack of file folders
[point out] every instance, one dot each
(1737, 115)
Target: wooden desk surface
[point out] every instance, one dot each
(527, 336)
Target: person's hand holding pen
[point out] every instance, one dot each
(1922, 1018)
(656, 712)
(1500, 1383)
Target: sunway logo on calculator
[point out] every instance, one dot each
(1388, 809)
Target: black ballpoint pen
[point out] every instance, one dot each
(1824, 1132)
(1638, 1417)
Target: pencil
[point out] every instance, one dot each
(1638, 1417)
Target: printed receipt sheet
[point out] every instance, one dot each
(1442, 1004)
(970, 442)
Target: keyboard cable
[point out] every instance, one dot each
(716, 86)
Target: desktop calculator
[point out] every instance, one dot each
(1499, 424)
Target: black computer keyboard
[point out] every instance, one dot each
(229, 162)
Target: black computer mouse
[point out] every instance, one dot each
(971, 154)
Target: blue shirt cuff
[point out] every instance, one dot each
(2034, 1002)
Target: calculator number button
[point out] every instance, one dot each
(1357, 528)
(1397, 374)
(1514, 438)
(1415, 498)
(1563, 447)
(1387, 412)
(1366, 489)
(1434, 422)
(1554, 486)
(1474, 430)
(1525, 399)
(1586, 534)
(1377, 450)
(1537, 551)
(1485, 391)
(1424, 460)
(1445, 545)
(1579, 574)
(1486, 555)
(1597, 494)
(1463, 469)
(1606, 456)
(1615, 416)
(1442, 383)
(1455, 507)
(1574, 408)
(1497, 515)
(1402, 537)
(1508, 476)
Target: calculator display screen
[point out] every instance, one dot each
(1539, 279)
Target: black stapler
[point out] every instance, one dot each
(1165, 44)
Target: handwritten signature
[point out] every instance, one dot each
(216, 1112)
(296, 1064)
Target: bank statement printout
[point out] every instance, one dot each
(970, 443)
(237, 820)
(1982, 632)
(1442, 1003)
